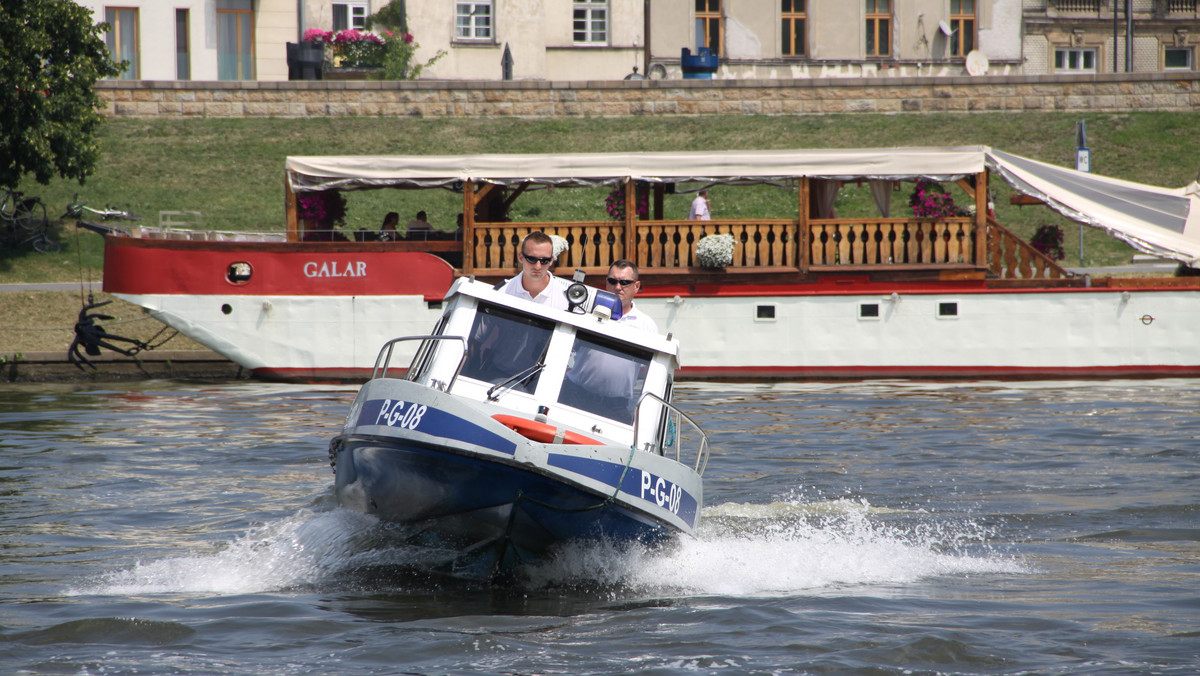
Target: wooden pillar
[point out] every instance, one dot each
(803, 246)
(290, 212)
(630, 246)
(981, 218)
(468, 233)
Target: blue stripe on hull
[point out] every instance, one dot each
(493, 515)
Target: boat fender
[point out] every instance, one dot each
(543, 432)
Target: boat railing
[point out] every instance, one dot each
(169, 232)
(421, 361)
(761, 244)
(676, 432)
(1010, 257)
(882, 242)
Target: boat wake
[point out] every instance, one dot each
(786, 548)
(775, 549)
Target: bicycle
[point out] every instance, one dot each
(76, 208)
(25, 214)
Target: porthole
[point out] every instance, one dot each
(226, 309)
(947, 309)
(868, 311)
(764, 313)
(239, 273)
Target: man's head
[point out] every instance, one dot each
(623, 280)
(537, 255)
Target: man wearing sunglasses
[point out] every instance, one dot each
(535, 282)
(623, 281)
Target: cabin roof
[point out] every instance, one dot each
(307, 173)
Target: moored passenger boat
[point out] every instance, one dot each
(809, 294)
(483, 458)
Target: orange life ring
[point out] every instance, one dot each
(542, 432)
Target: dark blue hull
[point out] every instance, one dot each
(490, 516)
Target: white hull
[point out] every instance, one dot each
(1109, 332)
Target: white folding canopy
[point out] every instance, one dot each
(1161, 221)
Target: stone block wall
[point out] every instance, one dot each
(1119, 92)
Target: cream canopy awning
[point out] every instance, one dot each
(1160, 221)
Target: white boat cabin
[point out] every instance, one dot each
(561, 377)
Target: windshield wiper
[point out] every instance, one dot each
(514, 381)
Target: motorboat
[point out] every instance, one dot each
(518, 428)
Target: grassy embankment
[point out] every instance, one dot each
(232, 172)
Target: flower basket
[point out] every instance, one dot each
(715, 251)
(559, 244)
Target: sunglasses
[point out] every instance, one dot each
(623, 282)
(536, 259)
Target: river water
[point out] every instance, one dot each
(883, 527)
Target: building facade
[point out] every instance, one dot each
(199, 39)
(564, 40)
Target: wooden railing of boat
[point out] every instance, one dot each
(777, 245)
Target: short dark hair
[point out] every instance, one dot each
(537, 237)
(624, 264)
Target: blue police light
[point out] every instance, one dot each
(608, 300)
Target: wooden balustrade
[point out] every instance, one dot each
(891, 241)
(657, 244)
(589, 244)
(879, 242)
(1010, 257)
(761, 243)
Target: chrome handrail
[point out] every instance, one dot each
(704, 450)
(384, 358)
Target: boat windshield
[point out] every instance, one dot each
(504, 343)
(604, 377)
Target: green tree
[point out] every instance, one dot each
(51, 54)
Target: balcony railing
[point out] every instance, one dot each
(778, 245)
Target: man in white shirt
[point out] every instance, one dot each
(601, 379)
(623, 280)
(699, 211)
(535, 282)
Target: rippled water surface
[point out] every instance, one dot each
(878, 528)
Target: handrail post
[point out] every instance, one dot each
(630, 252)
(468, 235)
(981, 216)
(803, 250)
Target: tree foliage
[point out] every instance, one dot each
(51, 54)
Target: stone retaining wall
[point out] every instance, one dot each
(1177, 92)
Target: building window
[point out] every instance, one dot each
(1177, 58)
(879, 28)
(235, 40)
(122, 39)
(473, 20)
(962, 25)
(590, 22)
(794, 18)
(183, 57)
(350, 15)
(708, 25)
(1074, 60)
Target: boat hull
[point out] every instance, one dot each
(1022, 334)
(455, 480)
(488, 517)
(310, 313)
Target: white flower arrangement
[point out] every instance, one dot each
(559, 243)
(715, 251)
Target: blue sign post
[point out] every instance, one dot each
(1083, 162)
